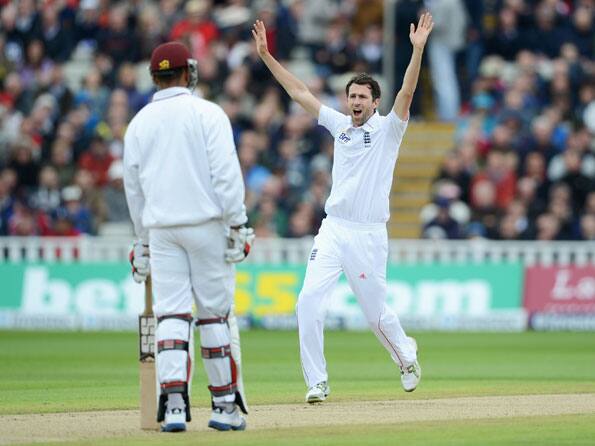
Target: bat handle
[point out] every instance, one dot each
(148, 297)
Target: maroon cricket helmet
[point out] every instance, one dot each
(169, 56)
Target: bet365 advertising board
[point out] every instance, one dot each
(96, 296)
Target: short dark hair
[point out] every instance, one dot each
(169, 75)
(364, 79)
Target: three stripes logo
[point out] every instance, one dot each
(313, 254)
(367, 140)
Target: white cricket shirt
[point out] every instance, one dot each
(181, 165)
(364, 161)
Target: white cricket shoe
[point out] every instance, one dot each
(318, 393)
(222, 420)
(411, 374)
(175, 420)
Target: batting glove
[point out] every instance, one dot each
(239, 243)
(139, 259)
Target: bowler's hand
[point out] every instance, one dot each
(139, 259)
(259, 33)
(419, 36)
(239, 243)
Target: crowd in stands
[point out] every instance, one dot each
(524, 163)
(73, 73)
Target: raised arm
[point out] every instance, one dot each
(294, 87)
(418, 38)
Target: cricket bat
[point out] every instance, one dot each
(148, 386)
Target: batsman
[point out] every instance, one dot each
(185, 193)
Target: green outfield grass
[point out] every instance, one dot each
(63, 372)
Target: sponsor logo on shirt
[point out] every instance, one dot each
(344, 138)
(313, 254)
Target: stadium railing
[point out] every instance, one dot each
(296, 251)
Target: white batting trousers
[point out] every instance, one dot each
(361, 252)
(187, 265)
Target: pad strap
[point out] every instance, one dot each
(174, 387)
(183, 316)
(214, 320)
(215, 352)
(228, 389)
(172, 344)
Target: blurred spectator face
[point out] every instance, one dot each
(99, 148)
(590, 203)
(13, 84)
(61, 153)
(273, 187)
(288, 149)
(516, 209)
(507, 228)
(496, 164)
(26, 8)
(236, 83)
(9, 179)
(548, 227)
(569, 52)
(247, 155)
(127, 76)
(49, 15)
(118, 18)
(513, 100)
(48, 178)
(484, 194)
(545, 16)
(560, 209)
(502, 137)
(83, 179)
(526, 188)
(22, 222)
(542, 131)
(535, 165)
(572, 161)
(508, 20)
(526, 61)
(92, 80)
(560, 191)
(452, 164)
(35, 52)
(197, 10)
(583, 19)
(22, 153)
(587, 224)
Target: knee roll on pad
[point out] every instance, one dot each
(174, 359)
(219, 363)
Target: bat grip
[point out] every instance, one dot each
(148, 297)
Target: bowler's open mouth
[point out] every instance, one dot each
(357, 113)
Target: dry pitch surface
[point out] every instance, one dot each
(16, 429)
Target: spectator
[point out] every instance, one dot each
(47, 196)
(197, 27)
(113, 194)
(443, 226)
(447, 38)
(97, 160)
(75, 211)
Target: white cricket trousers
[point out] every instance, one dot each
(361, 252)
(187, 265)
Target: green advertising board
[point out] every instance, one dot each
(424, 296)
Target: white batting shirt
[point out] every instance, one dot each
(364, 161)
(181, 165)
